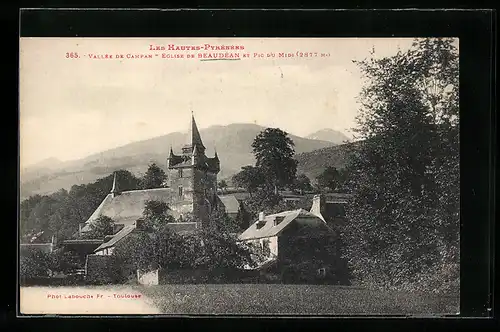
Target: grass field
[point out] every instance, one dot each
(259, 299)
(293, 299)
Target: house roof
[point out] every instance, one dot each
(177, 227)
(115, 239)
(269, 229)
(231, 204)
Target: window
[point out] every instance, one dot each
(321, 272)
(277, 220)
(180, 172)
(180, 191)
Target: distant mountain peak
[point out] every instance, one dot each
(329, 135)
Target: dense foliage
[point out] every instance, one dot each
(274, 152)
(211, 248)
(250, 178)
(101, 227)
(332, 180)
(34, 263)
(155, 177)
(302, 183)
(403, 229)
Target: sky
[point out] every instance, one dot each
(71, 108)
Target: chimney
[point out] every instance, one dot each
(262, 220)
(318, 206)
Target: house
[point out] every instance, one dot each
(298, 243)
(291, 238)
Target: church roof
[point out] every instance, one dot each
(127, 207)
(269, 229)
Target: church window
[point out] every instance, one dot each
(180, 172)
(180, 191)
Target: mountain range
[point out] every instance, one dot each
(232, 142)
(329, 135)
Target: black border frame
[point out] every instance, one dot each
(476, 30)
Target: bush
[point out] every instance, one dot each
(34, 264)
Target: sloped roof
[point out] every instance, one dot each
(177, 227)
(115, 239)
(269, 229)
(127, 207)
(231, 204)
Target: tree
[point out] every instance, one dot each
(154, 177)
(302, 183)
(250, 178)
(270, 203)
(274, 151)
(404, 173)
(329, 179)
(220, 249)
(222, 185)
(100, 228)
(155, 214)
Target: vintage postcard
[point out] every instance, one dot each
(239, 176)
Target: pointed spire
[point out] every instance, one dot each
(216, 157)
(194, 136)
(114, 190)
(171, 152)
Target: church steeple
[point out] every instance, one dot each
(193, 138)
(115, 191)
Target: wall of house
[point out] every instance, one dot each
(271, 243)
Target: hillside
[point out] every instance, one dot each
(233, 144)
(329, 135)
(314, 162)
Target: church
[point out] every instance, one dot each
(190, 190)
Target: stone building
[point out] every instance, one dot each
(190, 191)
